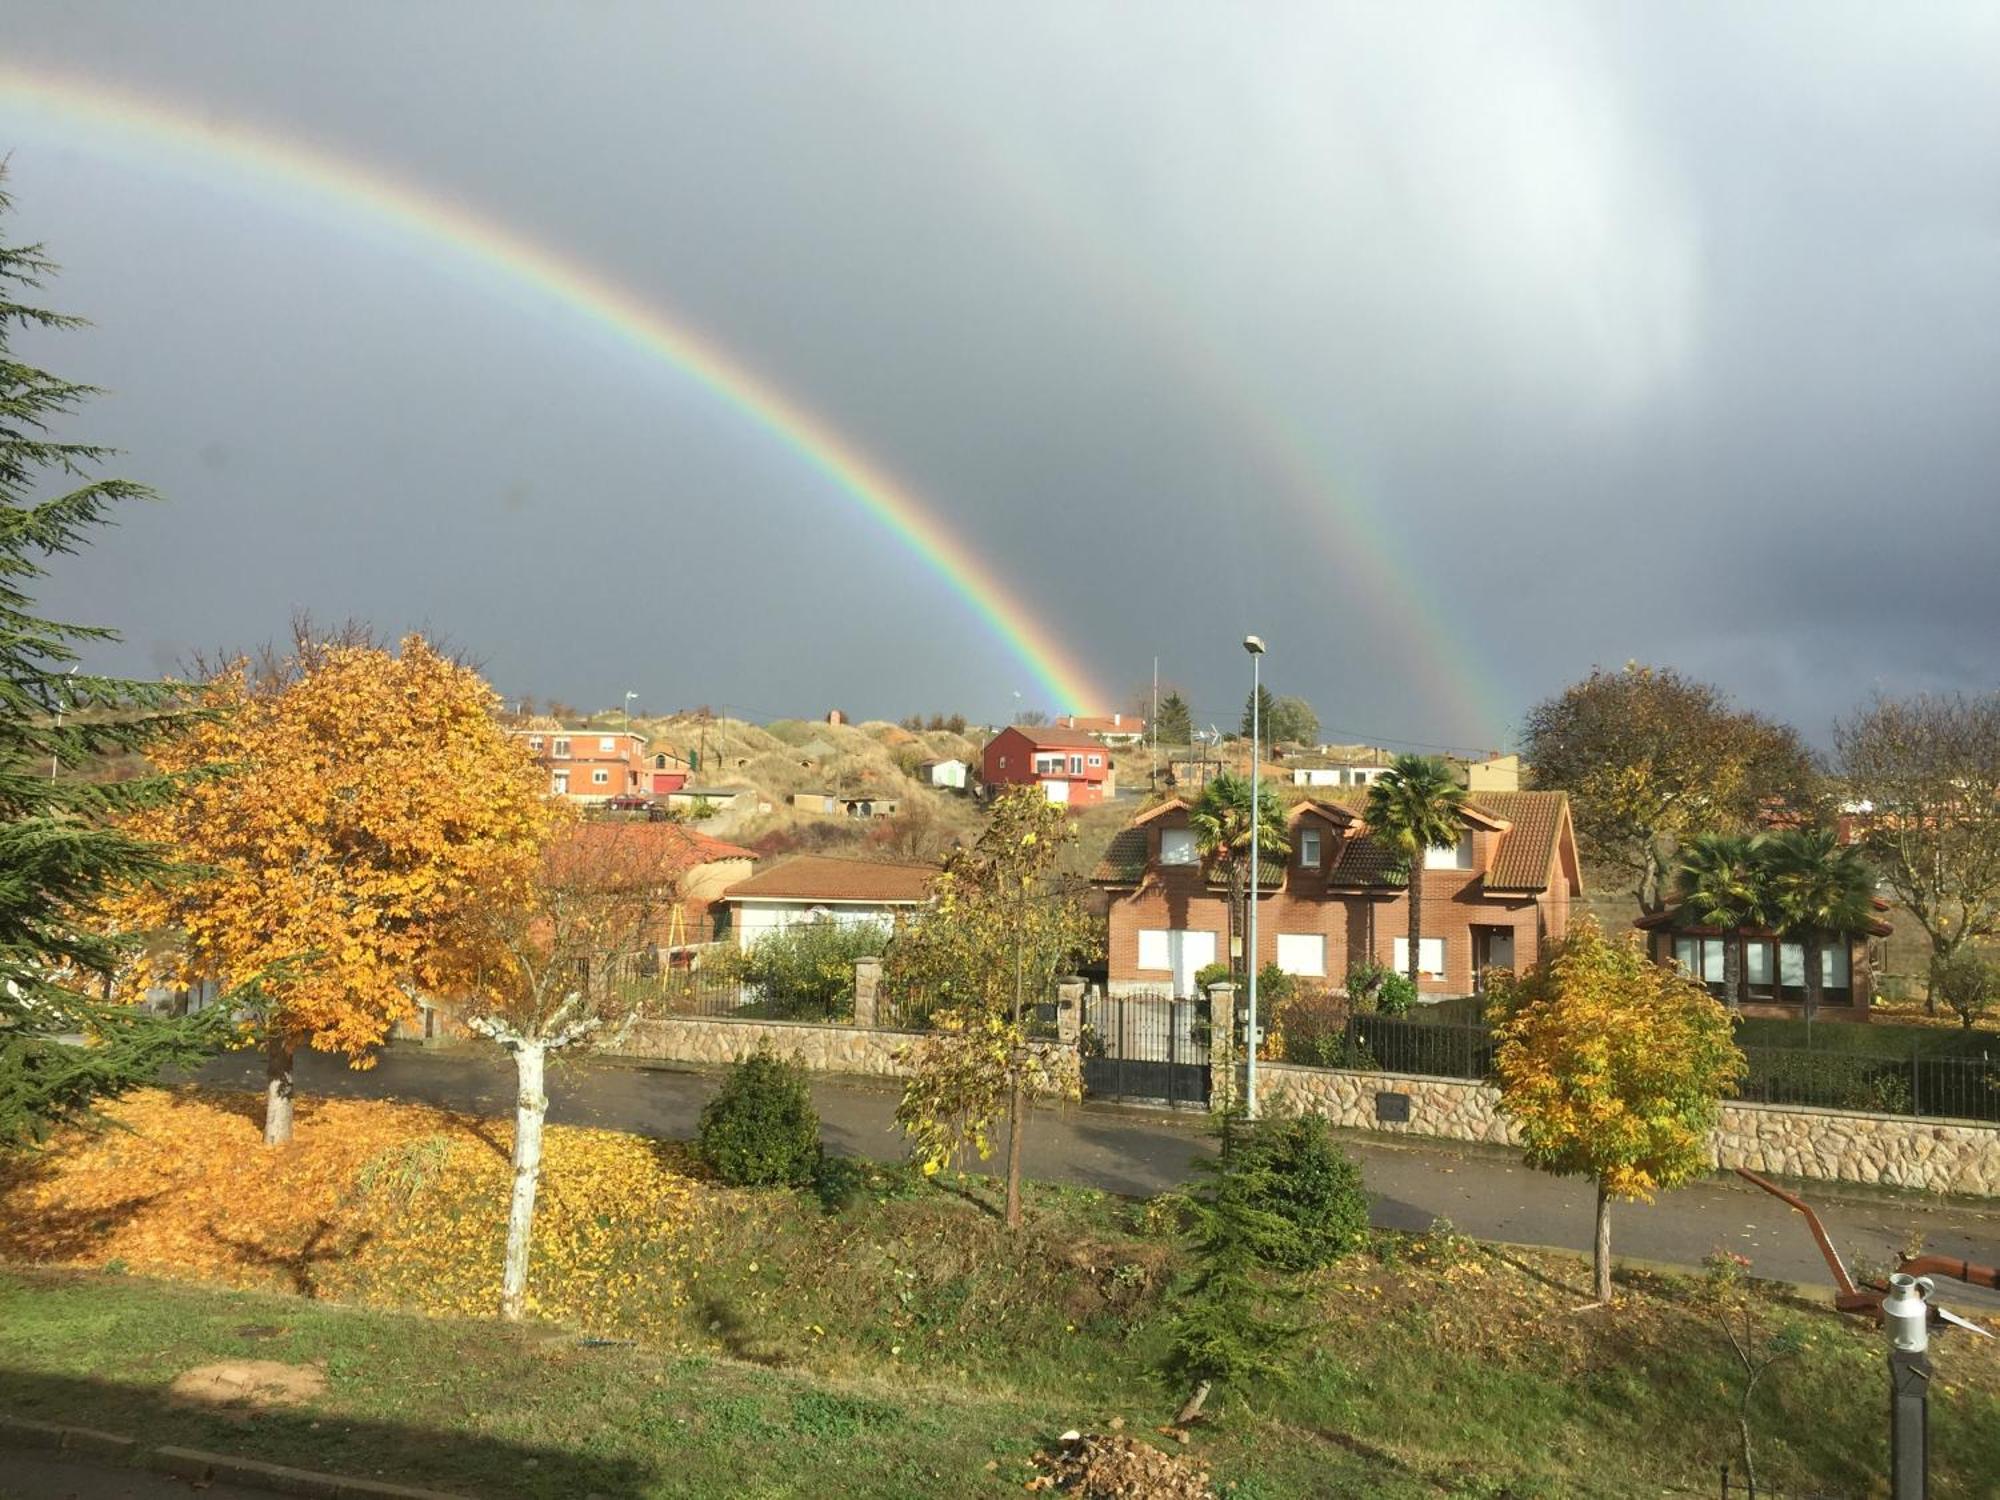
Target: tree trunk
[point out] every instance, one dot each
(531, 1103)
(1650, 902)
(277, 1089)
(1601, 1251)
(1235, 926)
(1191, 1408)
(1017, 1127)
(1815, 980)
(1416, 920)
(1733, 970)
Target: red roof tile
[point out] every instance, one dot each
(820, 877)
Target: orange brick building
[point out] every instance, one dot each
(589, 765)
(1068, 765)
(1489, 902)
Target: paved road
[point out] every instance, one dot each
(1486, 1193)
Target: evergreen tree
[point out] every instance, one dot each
(1266, 707)
(1226, 1323)
(61, 849)
(1176, 726)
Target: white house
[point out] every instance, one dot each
(820, 888)
(945, 773)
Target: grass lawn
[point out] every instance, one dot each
(893, 1340)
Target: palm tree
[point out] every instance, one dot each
(1722, 881)
(1820, 889)
(1220, 819)
(1414, 806)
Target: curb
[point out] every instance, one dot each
(202, 1468)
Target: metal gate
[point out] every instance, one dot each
(1146, 1049)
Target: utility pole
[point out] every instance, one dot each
(1255, 646)
(55, 754)
(1154, 724)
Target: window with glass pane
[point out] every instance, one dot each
(1309, 846)
(1714, 960)
(1757, 964)
(1833, 968)
(1177, 846)
(1450, 856)
(1685, 954)
(1791, 966)
(1154, 950)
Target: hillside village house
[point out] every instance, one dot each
(1115, 729)
(949, 774)
(1067, 764)
(589, 765)
(1319, 770)
(1490, 901)
(821, 888)
(1773, 968)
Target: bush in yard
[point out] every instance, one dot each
(1310, 1188)
(761, 1130)
(1375, 987)
(808, 969)
(1967, 983)
(1210, 974)
(1312, 1030)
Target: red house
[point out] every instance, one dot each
(1067, 764)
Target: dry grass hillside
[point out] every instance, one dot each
(788, 756)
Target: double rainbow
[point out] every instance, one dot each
(123, 126)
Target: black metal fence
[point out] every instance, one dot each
(1396, 1044)
(1917, 1084)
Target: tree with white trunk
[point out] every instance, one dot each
(565, 965)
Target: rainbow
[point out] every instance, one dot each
(123, 126)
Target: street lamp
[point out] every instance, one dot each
(628, 711)
(1255, 646)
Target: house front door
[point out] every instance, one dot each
(1492, 948)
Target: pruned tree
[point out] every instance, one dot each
(343, 822)
(1415, 806)
(63, 850)
(1923, 774)
(1651, 759)
(559, 957)
(1613, 1067)
(1002, 925)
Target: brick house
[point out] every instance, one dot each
(589, 765)
(1067, 764)
(1773, 966)
(824, 888)
(1490, 901)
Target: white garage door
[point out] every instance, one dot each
(1058, 791)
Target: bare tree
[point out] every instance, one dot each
(1923, 776)
(566, 963)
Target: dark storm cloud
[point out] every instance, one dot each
(1664, 333)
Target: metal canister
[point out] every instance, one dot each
(1905, 1313)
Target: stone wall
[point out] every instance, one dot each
(1827, 1144)
(834, 1049)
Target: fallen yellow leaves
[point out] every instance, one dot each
(388, 1203)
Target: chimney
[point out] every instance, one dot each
(1116, 719)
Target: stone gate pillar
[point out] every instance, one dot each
(1222, 1089)
(867, 981)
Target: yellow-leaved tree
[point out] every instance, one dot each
(1614, 1067)
(359, 803)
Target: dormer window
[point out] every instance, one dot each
(1450, 856)
(1309, 847)
(1177, 846)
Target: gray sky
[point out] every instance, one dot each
(1452, 348)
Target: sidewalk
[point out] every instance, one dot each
(1485, 1193)
(53, 1476)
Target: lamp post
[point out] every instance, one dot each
(628, 711)
(1255, 646)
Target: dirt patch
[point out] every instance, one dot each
(253, 1383)
(1108, 1466)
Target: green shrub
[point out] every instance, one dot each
(1309, 1186)
(1312, 1031)
(1967, 983)
(807, 969)
(1209, 974)
(1274, 986)
(1376, 987)
(761, 1129)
